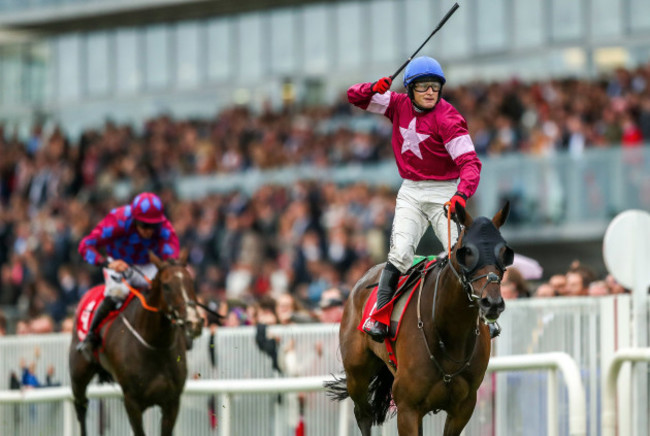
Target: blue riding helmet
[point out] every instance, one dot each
(423, 66)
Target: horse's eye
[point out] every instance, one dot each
(467, 257)
(505, 255)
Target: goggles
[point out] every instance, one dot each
(147, 226)
(424, 86)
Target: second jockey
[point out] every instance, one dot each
(126, 235)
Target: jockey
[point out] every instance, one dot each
(436, 158)
(126, 234)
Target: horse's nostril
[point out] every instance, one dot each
(485, 302)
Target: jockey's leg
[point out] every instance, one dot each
(114, 294)
(387, 286)
(409, 225)
(140, 276)
(438, 219)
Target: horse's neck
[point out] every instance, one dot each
(153, 327)
(455, 315)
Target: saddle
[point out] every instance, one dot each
(391, 313)
(87, 306)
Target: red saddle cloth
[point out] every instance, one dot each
(383, 315)
(87, 306)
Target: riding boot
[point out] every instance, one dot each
(92, 339)
(387, 286)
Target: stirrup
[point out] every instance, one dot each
(376, 330)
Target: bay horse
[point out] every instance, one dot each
(144, 348)
(443, 345)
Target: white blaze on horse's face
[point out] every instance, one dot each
(192, 312)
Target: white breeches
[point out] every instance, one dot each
(419, 204)
(117, 289)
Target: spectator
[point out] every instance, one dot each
(615, 287)
(28, 378)
(289, 310)
(545, 290)
(67, 325)
(558, 283)
(513, 285)
(598, 288)
(576, 284)
(42, 324)
(49, 378)
(23, 327)
(3, 324)
(331, 306)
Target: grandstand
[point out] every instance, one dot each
(234, 112)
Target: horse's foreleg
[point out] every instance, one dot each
(456, 421)
(169, 415)
(134, 412)
(409, 421)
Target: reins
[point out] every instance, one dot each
(446, 377)
(472, 297)
(146, 306)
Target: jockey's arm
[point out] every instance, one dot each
(100, 236)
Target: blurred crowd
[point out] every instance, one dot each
(297, 241)
(580, 280)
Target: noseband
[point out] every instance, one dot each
(467, 282)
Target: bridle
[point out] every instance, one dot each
(171, 312)
(472, 296)
(466, 282)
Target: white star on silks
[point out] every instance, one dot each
(412, 139)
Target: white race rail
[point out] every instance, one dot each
(192, 387)
(609, 390)
(553, 361)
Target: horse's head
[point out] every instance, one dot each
(482, 256)
(177, 289)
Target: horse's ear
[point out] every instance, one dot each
(155, 259)
(502, 215)
(463, 216)
(182, 256)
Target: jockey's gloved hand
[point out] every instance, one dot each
(458, 198)
(382, 85)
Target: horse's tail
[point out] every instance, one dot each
(379, 393)
(337, 389)
(103, 375)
